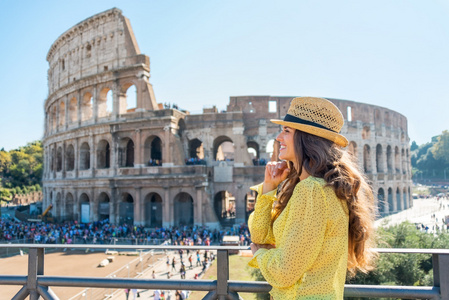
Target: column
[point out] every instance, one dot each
(167, 214)
(198, 206)
(137, 207)
(138, 149)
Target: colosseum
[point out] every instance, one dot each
(113, 152)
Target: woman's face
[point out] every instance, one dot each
(287, 148)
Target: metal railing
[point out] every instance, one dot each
(36, 284)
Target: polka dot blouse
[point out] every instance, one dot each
(311, 238)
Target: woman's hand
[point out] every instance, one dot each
(255, 247)
(275, 173)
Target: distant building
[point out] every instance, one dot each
(112, 154)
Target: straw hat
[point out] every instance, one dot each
(316, 116)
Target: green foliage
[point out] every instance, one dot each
(430, 160)
(404, 269)
(21, 169)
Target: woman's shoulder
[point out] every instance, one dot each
(311, 182)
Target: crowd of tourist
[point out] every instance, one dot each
(195, 161)
(102, 232)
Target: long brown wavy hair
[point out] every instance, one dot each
(323, 159)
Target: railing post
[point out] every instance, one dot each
(32, 274)
(222, 274)
(441, 274)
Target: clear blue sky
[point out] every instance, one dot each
(388, 53)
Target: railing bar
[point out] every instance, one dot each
(129, 247)
(96, 282)
(212, 295)
(46, 293)
(249, 286)
(22, 294)
(384, 291)
(13, 280)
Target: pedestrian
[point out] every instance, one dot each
(134, 291)
(183, 271)
(157, 295)
(153, 275)
(173, 264)
(198, 259)
(168, 263)
(126, 294)
(314, 213)
(190, 261)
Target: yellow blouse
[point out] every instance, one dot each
(311, 238)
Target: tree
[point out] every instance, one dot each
(441, 148)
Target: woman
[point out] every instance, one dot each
(314, 212)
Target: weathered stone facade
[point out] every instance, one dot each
(148, 164)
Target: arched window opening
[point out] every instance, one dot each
(349, 113)
(352, 148)
(404, 162)
(70, 158)
(224, 205)
(366, 133)
(404, 199)
(223, 149)
(105, 103)
(156, 152)
(367, 159)
(183, 210)
(53, 159)
(59, 159)
(84, 208)
(381, 205)
(84, 156)
(379, 159)
(103, 207)
(196, 153)
(62, 114)
(86, 107)
(73, 110)
(254, 153)
(126, 153)
(250, 200)
(181, 127)
(272, 150)
(103, 155)
(126, 209)
(153, 210)
(128, 99)
(390, 201)
(397, 160)
(53, 118)
(398, 200)
(68, 208)
(389, 159)
(57, 210)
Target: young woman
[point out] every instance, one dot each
(314, 213)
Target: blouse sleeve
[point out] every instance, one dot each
(302, 237)
(259, 222)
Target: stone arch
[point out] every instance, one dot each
(183, 209)
(84, 156)
(126, 153)
(105, 102)
(70, 158)
(398, 200)
(103, 155)
(223, 148)
(62, 113)
(272, 150)
(381, 205)
(390, 200)
(53, 158)
(153, 151)
(404, 198)
(128, 98)
(254, 152)
(181, 127)
(126, 209)
(73, 110)
(68, 207)
(53, 117)
(153, 210)
(366, 133)
(379, 159)
(87, 107)
(196, 149)
(59, 159)
(367, 159)
(225, 208)
(104, 203)
(397, 160)
(352, 148)
(84, 206)
(389, 159)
